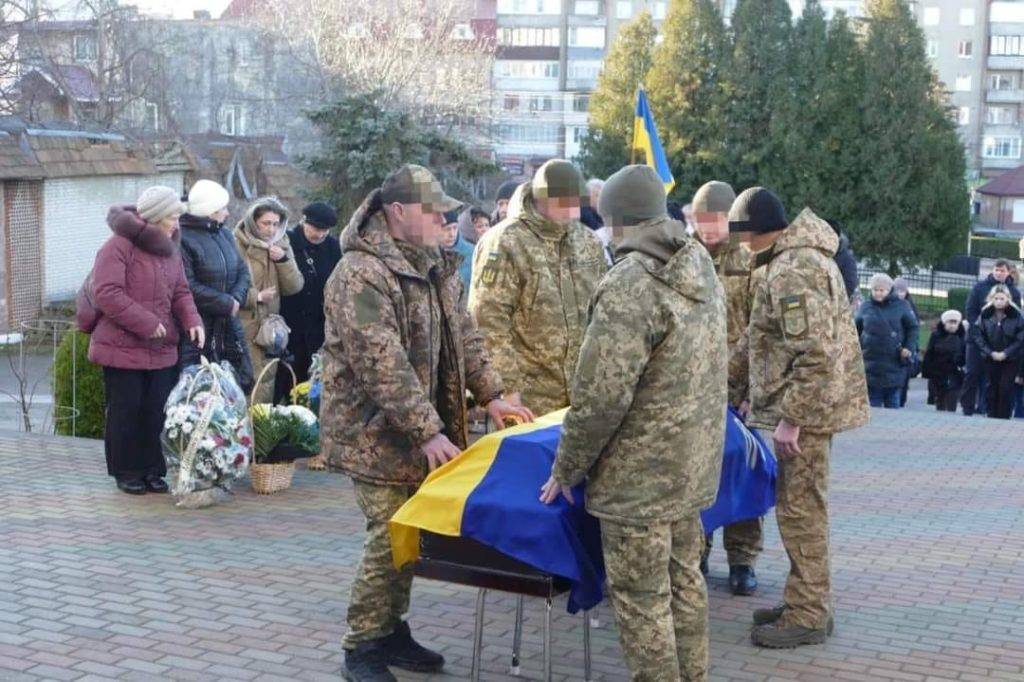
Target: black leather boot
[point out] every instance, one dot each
(402, 651)
(366, 663)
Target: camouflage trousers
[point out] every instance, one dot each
(660, 597)
(743, 542)
(801, 508)
(380, 593)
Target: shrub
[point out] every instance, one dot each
(90, 402)
(995, 247)
(958, 298)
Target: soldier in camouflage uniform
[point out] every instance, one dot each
(533, 276)
(399, 356)
(806, 384)
(733, 263)
(646, 426)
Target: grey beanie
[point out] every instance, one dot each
(157, 203)
(632, 195)
(714, 197)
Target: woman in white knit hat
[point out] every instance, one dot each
(218, 277)
(138, 301)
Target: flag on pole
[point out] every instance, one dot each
(647, 142)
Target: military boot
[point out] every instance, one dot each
(366, 663)
(742, 580)
(780, 635)
(705, 553)
(769, 616)
(402, 651)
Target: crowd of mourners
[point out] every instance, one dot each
(642, 317)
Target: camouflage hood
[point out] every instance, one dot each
(671, 256)
(808, 230)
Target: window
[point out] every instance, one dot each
(932, 15)
(1001, 116)
(579, 132)
(540, 103)
(232, 121)
(581, 103)
(591, 7)
(586, 36)
(1001, 81)
(544, 134)
(963, 83)
(1018, 210)
(153, 116)
(1001, 148)
(85, 48)
(530, 37)
(520, 68)
(462, 32)
(658, 11)
(933, 48)
(963, 116)
(1007, 45)
(624, 9)
(967, 16)
(584, 69)
(529, 6)
(965, 49)
(511, 102)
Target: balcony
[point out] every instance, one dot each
(1004, 96)
(1006, 63)
(999, 164)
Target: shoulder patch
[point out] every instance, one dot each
(794, 316)
(491, 268)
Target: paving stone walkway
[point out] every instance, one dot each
(928, 564)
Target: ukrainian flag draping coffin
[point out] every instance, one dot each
(490, 494)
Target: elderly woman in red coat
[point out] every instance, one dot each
(142, 299)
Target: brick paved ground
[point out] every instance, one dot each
(928, 552)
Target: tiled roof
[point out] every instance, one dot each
(66, 153)
(1009, 184)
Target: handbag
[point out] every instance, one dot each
(272, 336)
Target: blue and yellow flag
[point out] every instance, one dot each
(490, 494)
(647, 142)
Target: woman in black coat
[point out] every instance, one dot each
(218, 278)
(944, 361)
(888, 339)
(999, 336)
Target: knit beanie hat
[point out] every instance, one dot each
(633, 195)
(206, 198)
(505, 190)
(320, 215)
(157, 203)
(900, 284)
(952, 316)
(713, 197)
(757, 210)
(558, 178)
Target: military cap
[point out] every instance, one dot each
(412, 184)
(558, 178)
(757, 210)
(713, 197)
(632, 195)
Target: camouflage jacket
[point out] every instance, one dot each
(398, 357)
(532, 281)
(647, 421)
(805, 359)
(734, 264)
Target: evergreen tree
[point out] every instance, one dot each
(686, 93)
(605, 148)
(803, 124)
(913, 203)
(756, 88)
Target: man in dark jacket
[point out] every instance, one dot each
(846, 260)
(316, 254)
(973, 397)
(218, 278)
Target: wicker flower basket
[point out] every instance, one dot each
(270, 478)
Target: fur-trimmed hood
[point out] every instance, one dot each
(125, 221)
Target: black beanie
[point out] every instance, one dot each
(758, 211)
(505, 190)
(320, 215)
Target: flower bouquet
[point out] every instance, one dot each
(282, 434)
(207, 439)
(308, 395)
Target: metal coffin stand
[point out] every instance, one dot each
(466, 562)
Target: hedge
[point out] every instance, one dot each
(995, 247)
(91, 402)
(958, 298)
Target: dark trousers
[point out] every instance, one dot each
(946, 392)
(302, 347)
(135, 418)
(1001, 376)
(884, 397)
(972, 399)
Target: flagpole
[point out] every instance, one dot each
(632, 144)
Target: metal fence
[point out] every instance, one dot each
(929, 288)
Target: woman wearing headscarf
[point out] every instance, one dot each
(263, 243)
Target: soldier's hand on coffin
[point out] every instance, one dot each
(499, 410)
(786, 439)
(439, 450)
(744, 409)
(550, 491)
